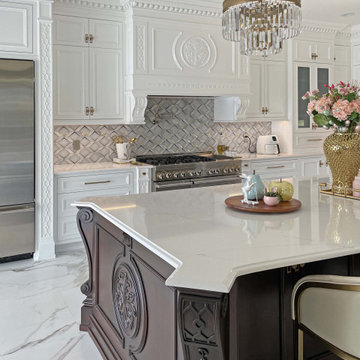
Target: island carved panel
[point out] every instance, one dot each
(132, 315)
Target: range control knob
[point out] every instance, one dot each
(217, 171)
(225, 171)
(168, 175)
(192, 173)
(160, 176)
(182, 174)
(176, 174)
(198, 173)
(237, 169)
(231, 170)
(211, 171)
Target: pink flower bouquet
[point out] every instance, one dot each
(339, 108)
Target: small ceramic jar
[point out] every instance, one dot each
(271, 200)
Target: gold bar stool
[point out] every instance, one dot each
(327, 307)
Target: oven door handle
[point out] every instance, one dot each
(173, 184)
(218, 180)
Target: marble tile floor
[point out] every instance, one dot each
(40, 310)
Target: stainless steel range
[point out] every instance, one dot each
(181, 171)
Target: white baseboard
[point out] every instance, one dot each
(69, 247)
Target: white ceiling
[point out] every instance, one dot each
(331, 11)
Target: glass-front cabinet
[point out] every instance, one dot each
(308, 78)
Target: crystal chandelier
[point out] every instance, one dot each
(261, 26)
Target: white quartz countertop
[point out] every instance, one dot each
(252, 157)
(211, 245)
(79, 168)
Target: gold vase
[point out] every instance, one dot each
(342, 153)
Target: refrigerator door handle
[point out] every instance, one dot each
(17, 208)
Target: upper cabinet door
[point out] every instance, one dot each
(324, 52)
(105, 34)
(303, 82)
(257, 87)
(302, 50)
(16, 27)
(342, 55)
(310, 51)
(276, 89)
(70, 30)
(71, 95)
(106, 95)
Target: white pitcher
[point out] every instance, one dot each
(122, 151)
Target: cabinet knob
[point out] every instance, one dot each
(86, 38)
(92, 110)
(321, 164)
(91, 38)
(314, 126)
(87, 111)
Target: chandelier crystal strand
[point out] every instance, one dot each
(261, 26)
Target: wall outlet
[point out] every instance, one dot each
(76, 145)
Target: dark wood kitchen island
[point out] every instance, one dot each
(177, 275)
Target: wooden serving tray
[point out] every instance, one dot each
(234, 202)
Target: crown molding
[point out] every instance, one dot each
(326, 28)
(183, 7)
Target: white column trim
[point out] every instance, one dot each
(45, 244)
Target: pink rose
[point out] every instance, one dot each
(342, 109)
(311, 107)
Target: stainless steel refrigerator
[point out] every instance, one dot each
(17, 172)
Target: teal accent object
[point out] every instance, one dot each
(258, 191)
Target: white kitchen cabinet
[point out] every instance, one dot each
(78, 31)
(88, 71)
(313, 166)
(313, 51)
(257, 99)
(106, 86)
(283, 167)
(105, 34)
(308, 77)
(268, 89)
(71, 82)
(75, 186)
(342, 60)
(273, 168)
(16, 27)
(276, 90)
(72, 31)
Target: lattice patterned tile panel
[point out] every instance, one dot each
(188, 127)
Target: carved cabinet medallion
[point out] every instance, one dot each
(196, 52)
(129, 302)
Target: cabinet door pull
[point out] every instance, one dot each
(312, 140)
(314, 56)
(321, 164)
(87, 111)
(97, 182)
(91, 38)
(276, 167)
(92, 110)
(86, 38)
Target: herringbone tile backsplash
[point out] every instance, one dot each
(183, 125)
